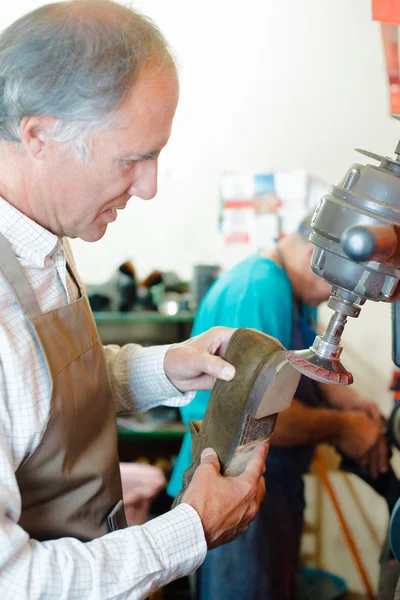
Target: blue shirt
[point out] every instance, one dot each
(255, 293)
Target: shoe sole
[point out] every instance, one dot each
(261, 410)
(272, 391)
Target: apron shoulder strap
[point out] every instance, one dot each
(15, 276)
(71, 268)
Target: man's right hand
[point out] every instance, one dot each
(358, 435)
(226, 505)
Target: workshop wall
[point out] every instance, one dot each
(264, 85)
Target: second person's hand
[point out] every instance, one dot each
(358, 435)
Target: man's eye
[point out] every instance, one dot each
(128, 164)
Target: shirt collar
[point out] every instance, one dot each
(29, 240)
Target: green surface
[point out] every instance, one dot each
(143, 317)
(125, 435)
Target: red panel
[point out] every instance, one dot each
(386, 10)
(237, 238)
(394, 100)
(238, 204)
(390, 38)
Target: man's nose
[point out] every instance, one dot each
(144, 179)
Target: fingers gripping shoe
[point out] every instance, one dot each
(243, 412)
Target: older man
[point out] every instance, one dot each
(276, 292)
(88, 92)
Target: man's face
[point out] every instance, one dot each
(80, 200)
(318, 290)
(314, 289)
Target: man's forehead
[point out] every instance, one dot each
(143, 139)
(145, 118)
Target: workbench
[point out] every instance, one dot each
(143, 327)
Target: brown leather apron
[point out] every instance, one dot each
(71, 483)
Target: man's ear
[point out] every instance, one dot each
(34, 135)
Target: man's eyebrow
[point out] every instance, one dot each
(146, 156)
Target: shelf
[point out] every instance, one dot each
(175, 433)
(147, 328)
(143, 317)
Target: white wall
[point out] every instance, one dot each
(264, 85)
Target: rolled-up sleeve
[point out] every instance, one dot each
(138, 378)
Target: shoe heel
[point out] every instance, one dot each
(257, 430)
(274, 387)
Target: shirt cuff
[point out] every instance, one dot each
(150, 383)
(181, 537)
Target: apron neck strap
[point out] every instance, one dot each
(15, 276)
(71, 266)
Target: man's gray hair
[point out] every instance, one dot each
(74, 61)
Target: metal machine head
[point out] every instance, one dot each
(356, 233)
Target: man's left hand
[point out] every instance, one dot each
(378, 458)
(198, 362)
(368, 407)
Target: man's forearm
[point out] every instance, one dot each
(138, 378)
(301, 425)
(343, 398)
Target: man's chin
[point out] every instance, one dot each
(93, 234)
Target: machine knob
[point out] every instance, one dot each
(363, 242)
